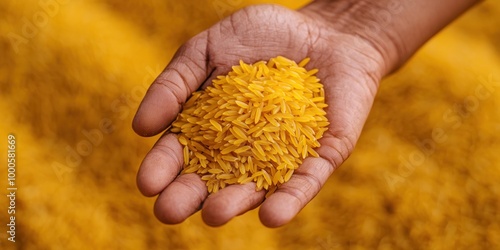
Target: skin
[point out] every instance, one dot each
(352, 43)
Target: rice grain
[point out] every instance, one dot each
(255, 124)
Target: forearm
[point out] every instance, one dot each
(396, 28)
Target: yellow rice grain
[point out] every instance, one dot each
(259, 182)
(241, 104)
(256, 124)
(183, 140)
(186, 155)
(242, 149)
(288, 174)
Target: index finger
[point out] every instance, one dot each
(185, 73)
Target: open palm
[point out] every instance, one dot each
(349, 67)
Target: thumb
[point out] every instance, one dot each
(184, 74)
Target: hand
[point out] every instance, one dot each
(350, 69)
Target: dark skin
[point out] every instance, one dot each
(351, 58)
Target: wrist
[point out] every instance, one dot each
(394, 28)
(362, 20)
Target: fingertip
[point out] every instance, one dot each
(148, 185)
(169, 214)
(208, 216)
(187, 70)
(158, 109)
(148, 192)
(180, 199)
(160, 166)
(278, 210)
(219, 208)
(139, 127)
(282, 206)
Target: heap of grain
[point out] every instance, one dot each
(258, 123)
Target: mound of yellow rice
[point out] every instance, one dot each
(257, 124)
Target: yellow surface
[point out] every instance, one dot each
(89, 63)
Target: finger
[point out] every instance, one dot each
(349, 93)
(229, 202)
(185, 73)
(182, 198)
(160, 166)
(293, 195)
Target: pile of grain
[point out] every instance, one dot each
(256, 124)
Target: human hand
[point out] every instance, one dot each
(350, 67)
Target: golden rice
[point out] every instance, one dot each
(256, 124)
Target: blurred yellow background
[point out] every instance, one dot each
(425, 173)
